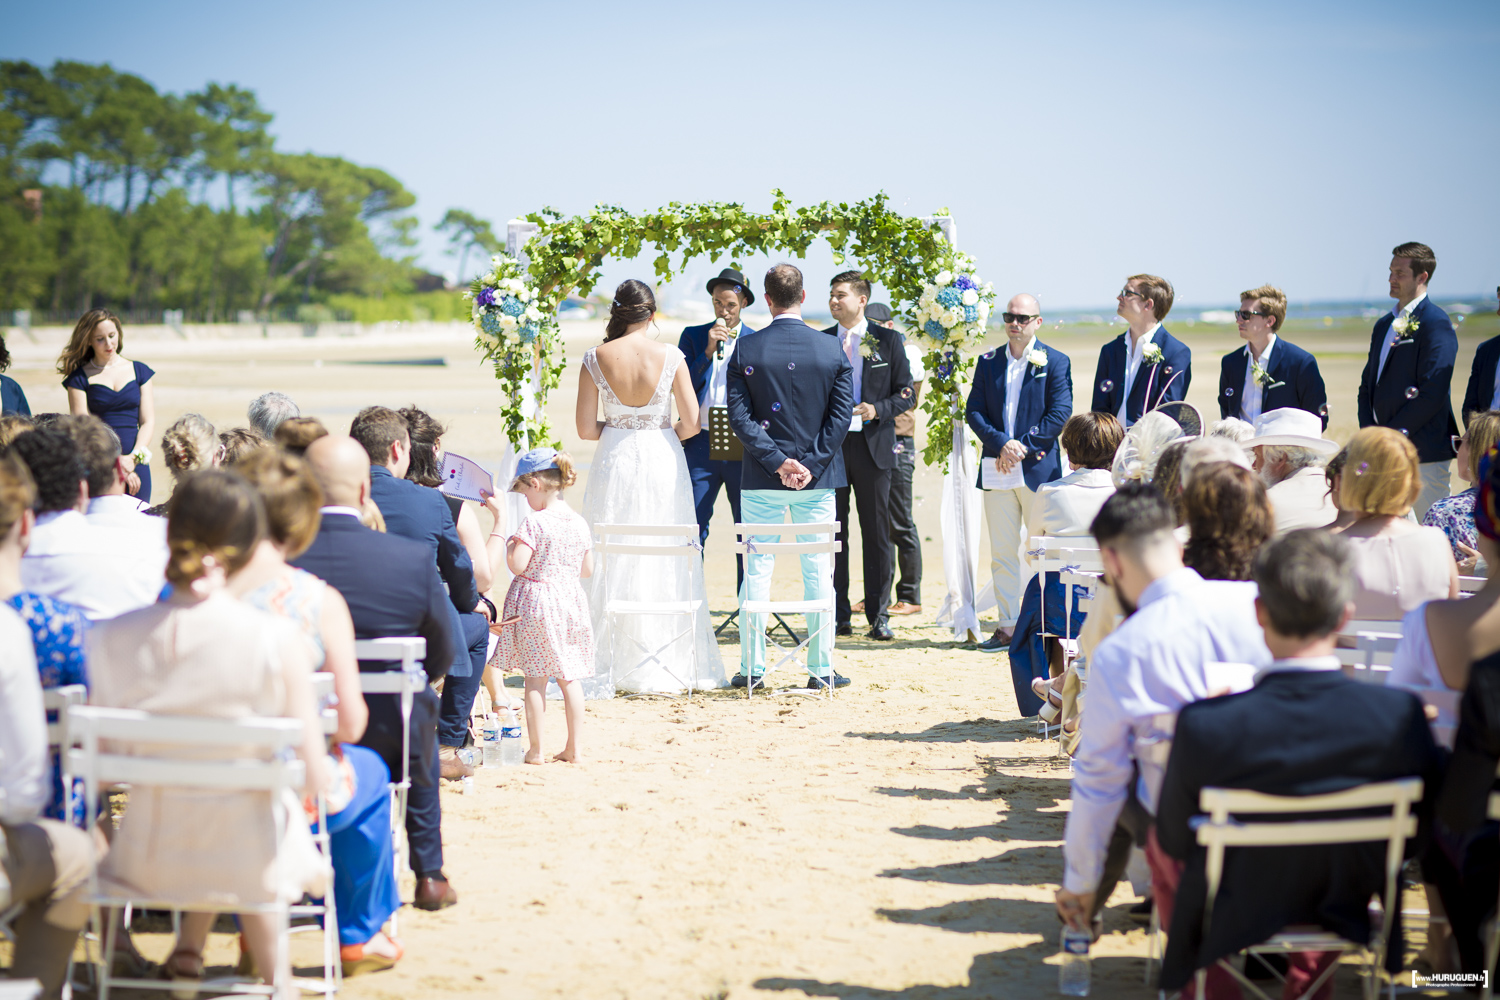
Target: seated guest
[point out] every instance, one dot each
(12, 398)
(1210, 450)
(109, 504)
(101, 569)
(12, 424)
(1455, 514)
(57, 628)
(364, 876)
(269, 411)
(1236, 430)
(1333, 475)
(200, 652)
(1168, 478)
(237, 442)
(294, 435)
(1152, 664)
(1303, 729)
(1398, 565)
(45, 863)
(1268, 373)
(356, 562)
(1289, 454)
(1065, 507)
(1228, 520)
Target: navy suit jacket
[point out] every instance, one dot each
(692, 344)
(791, 395)
(13, 400)
(1294, 733)
(1169, 378)
(1296, 382)
(423, 514)
(1046, 404)
(1423, 362)
(883, 376)
(1481, 389)
(392, 588)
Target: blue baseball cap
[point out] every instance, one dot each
(536, 460)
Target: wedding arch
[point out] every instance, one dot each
(932, 287)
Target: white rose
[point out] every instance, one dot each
(533, 313)
(929, 295)
(507, 323)
(971, 297)
(984, 313)
(950, 318)
(943, 279)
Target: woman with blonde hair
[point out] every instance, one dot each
(1455, 514)
(188, 446)
(101, 381)
(1399, 565)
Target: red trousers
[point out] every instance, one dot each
(1302, 966)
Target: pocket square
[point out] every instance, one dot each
(881, 364)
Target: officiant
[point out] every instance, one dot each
(708, 349)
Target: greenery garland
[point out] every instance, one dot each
(932, 287)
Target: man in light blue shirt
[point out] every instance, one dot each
(1147, 668)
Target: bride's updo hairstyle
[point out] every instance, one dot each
(633, 303)
(212, 513)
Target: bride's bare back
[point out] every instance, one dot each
(633, 365)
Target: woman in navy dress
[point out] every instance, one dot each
(101, 381)
(12, 399)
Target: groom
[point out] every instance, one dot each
(790, 391)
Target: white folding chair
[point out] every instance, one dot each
(280, 773)
(58, 700)
(617, 540)
(1156, 748)
(1370, 659)
(750, 540)
(1468, 585)
(327, 910)
(1062, 554)
(1219, 830)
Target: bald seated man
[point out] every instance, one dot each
(392, 587)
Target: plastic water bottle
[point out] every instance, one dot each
(511, 751)
(1073, 973)
(489, 731)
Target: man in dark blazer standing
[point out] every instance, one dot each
(1483, 392)
(1303, 729)
(1021, 397)
(392, 588)
(1268, 373)
(708, 349)
(1145, 366)
(882, 389)
(790, 393)
(1409, 374)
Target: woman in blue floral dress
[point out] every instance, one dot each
(1455, 514)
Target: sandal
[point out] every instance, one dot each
(356, 960)
(1043, 689)
(183, 966)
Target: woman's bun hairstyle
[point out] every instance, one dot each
(212, 513)
(634, 303)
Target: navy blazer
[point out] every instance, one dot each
(1046, 404)
(1294, 733)
(422, 513)
(791, 395)
(392, 588)
(692, 344)
(1296, 382)
(13, 400)
(1412, 394)
(883, 377)
(1168, 379)
(1481, 390)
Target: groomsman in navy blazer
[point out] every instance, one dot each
(708, 349)
(1268, 373)
(1483, 392)
(1145, 366)
(1409, 374)
(1021, 397)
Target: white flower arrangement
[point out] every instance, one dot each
(505, 308)
(954, 309)
(1151, 353)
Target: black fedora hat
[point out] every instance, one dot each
(729, 276)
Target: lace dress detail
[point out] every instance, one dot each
(655, 415)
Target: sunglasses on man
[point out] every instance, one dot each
(1244, 315)
(1020, 318)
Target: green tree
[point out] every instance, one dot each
(467, 231)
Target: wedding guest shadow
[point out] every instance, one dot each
(979, 730)
(1021, 866)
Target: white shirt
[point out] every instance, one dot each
(1151, 665)
(1250, 399)
(1015, 375)
(25, 766)
(1390, 333)
(1133, 355)
(919, 371)
(716, 390)
(1310, 664)
(334, 508)
(104, 568)
(850, 340)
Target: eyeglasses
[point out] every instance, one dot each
(1457, 440)
(1244, 314)
(1129, 293)
(1021, 318)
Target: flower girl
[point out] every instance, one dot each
(547, 634)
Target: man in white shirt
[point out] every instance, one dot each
(1140, 676)
(1290, 452)
(109, 504)
(103, 568)
(44, 864)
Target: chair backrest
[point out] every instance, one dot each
(750, 538)
(59, 700)
(1470, 584)
(1372, 653)
(327, 702)
(409, 649)
(605, 533)
(1051, 554)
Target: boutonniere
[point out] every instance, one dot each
(1405, 328)
(1262, 377)
(869, 346)
(1037, 358)
(1151, 353)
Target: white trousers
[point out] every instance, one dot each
(1005, 512)
(1435, 486)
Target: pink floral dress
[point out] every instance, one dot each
(553, 637)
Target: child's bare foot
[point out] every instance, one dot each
(567, 757)
(533, 757)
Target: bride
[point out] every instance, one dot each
(640, 476)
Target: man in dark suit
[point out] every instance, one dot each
(1145, 366)
(421, 513)
(392, 588)
(1021, 397)
(1303, 729)
(790, 394)
(1409, 374)
(1483, 392)
(708, 349)
(882, 389)
(1268, 373)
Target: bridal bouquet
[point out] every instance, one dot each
(954, 308)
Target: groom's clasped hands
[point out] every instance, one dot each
(794, 475)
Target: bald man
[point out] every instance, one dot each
(1021, 398)
(392, 587)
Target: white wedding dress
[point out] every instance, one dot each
(640, 476)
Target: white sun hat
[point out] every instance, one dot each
(1290, 427)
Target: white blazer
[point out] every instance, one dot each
(1069, 505)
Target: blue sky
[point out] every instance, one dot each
(1220, 145)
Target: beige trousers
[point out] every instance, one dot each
(48, 866)
(1005, 512)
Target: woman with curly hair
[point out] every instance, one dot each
(101, 381)
(189, 445)
(1229, 519)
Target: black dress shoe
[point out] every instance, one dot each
(880, 632)
(995, 643)
(740, 680)
(819, 683)
(843, 628)
(434, 893)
